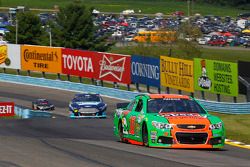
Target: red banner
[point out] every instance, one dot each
(7, 109)
(78, 62)
(113, 67)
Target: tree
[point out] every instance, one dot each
(74, 28)
(187, 34)
(29, 30)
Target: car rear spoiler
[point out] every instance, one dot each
(121, 105)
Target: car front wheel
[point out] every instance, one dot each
(120, 129)
(145, 135)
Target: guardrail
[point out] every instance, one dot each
(27, 113)
(221, 107)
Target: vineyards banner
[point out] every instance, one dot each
(177, 73)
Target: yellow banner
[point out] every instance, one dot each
(41, 58)
(177, 73)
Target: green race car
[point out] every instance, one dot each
(168, 121)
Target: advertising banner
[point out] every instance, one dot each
(113, 67)
(7, 109)
(41, 58)
(10, 56)
(78, 62)
(216, 76)
(177, 73)
(145, 70)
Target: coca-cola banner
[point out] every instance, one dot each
(113, 67)
(78, 62)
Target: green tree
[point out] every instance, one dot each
(29, 30)
(74, 28)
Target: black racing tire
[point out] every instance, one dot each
(145, 135)
(120, 130)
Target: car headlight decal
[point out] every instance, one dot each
(215, 126)
(160, 125)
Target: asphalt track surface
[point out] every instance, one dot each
(65, 142)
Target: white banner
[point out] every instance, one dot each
(10, 56)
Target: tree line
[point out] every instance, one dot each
(72, 28)
(238, 3)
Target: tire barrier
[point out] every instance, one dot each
(220, 107)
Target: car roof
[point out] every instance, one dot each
(84, 94)
(172, 96)
(41, 99)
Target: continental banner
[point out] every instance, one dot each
(10, 56)
(41, 58)
(177, 73)
(216, 76)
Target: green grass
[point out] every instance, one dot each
(231, 55)
(146, 6)
(237, 126)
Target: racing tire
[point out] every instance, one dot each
(120, 129)
(145, 136)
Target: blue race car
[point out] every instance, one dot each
(87, 105)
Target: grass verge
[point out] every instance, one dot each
(145, 6)
(237, 126)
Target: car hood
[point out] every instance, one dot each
(186, 118)
(87, 104)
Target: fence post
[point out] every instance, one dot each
(58, 76)
(148, 89)
(192, 94)
(102, 83)
(128, 87)
(68, 77)
(4, 70)
(202, 95)
(28, 72)
(80, 79)
(93, 81)
(235, 99)
(137, 87)
(179, 92)
(218, 97)
(167, 90)
(43, 73)
(116, 86)
(18, 72)
(159, 90)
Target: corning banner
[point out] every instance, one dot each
(41, 58)
(145, 70)
(113, 67)
(7, 109)
(177, 73)
(78, 62)
(216, 76)
(10, 56)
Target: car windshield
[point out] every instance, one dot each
(174, 105)
(87, 98)
(42, 101)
